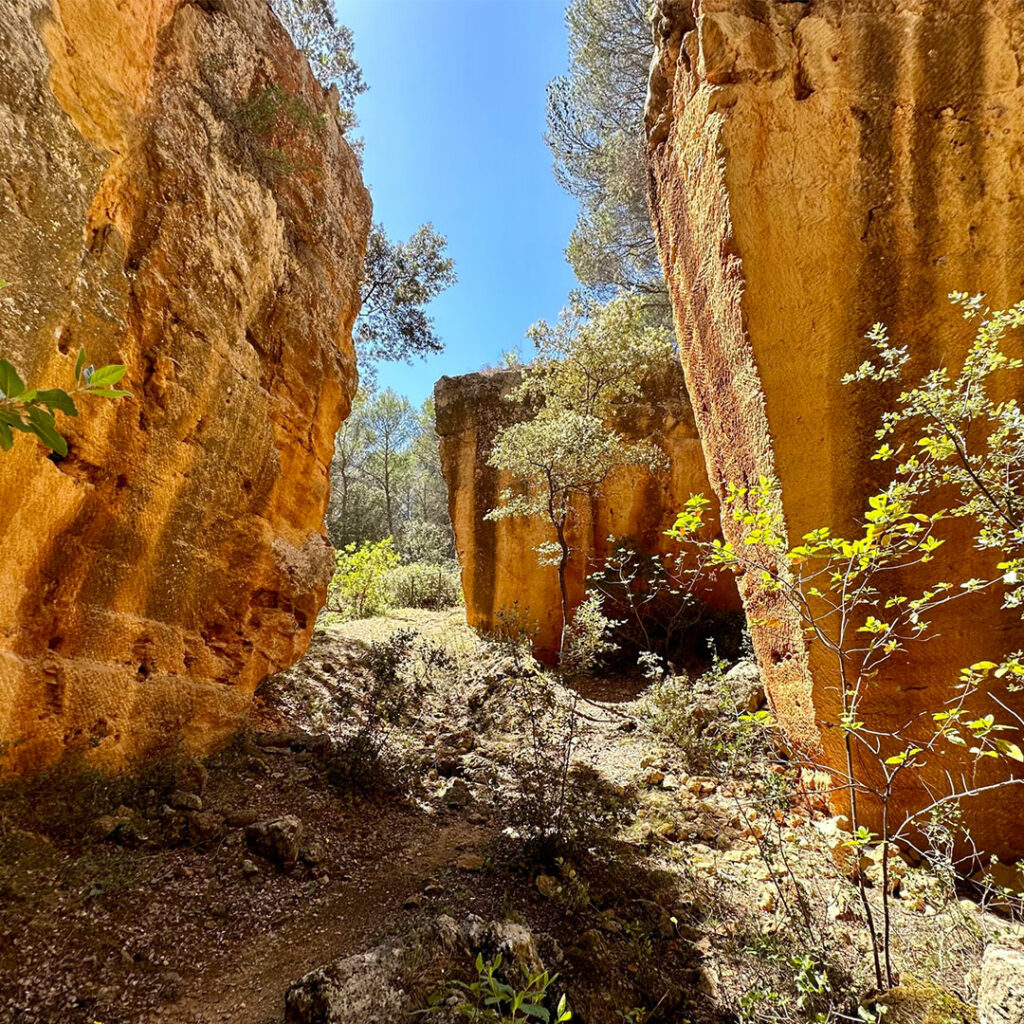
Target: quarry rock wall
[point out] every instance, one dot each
(815, 168)
(502, 581)
(176, 197)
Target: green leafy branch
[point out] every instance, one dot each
(488, 999)
(840, 590)
(34, 410)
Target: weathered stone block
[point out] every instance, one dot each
(177, 555)
(874, 168)
(500, 573)
(1001, 992)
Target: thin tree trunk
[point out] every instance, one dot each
(563, 563)
(855, 823)
(886, 916)
(344, 503)
(387, 494)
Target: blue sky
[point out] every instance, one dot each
(454, 123)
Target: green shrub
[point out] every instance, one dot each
(489, 1000)
(401, 670)
(587, 637)
(360, 585)
(425, 585)
(555, 805)
(955, 450)
(370, 579)
(424, 541)
(706, 717)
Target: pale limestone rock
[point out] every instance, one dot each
(1001, 991)
(365, 988)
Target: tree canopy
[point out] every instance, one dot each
(400, 278)
(595, 133)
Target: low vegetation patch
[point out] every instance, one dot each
(371, 579)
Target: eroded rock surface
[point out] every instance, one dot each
(1001, 992)
(501, 578)
(366, 987)
(815, 168)
(177, 197)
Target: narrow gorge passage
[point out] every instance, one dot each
(511, 511)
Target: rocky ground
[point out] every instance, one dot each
(396, 807)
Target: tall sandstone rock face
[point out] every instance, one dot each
(817, 167)
(501, 578)
(176, 197)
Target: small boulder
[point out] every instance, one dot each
(205, 827)
(285, 739)
(365, 988)
(1001, 991)
(743, 680)
(515, 943)
(277, 839)
(916, 1001)
(182, 800)
(444, 935)
(106, 826)
(870, 863)
(835, 838)
(122, 826)
(457, 794)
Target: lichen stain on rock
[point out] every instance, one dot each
(816, 168)
(177, 556)
(501, 578)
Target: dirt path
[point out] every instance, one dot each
(248, 983)
(250, 988)
(175, 912)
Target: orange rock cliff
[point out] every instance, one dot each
(177, 197)
(500, 573)
(815, 168)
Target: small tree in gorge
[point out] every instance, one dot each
(956, 449)
(588, 363)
